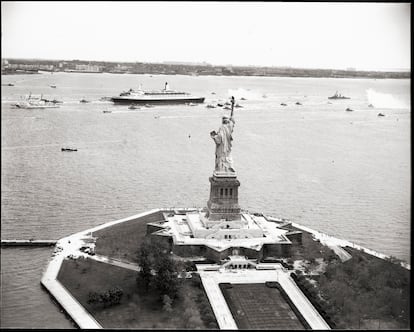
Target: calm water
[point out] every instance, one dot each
(344, 173)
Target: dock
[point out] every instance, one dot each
(33, 243)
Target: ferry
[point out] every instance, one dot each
(32, 102)
(165, 96)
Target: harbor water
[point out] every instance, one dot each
(344, 173)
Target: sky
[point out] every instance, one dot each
(333, 35)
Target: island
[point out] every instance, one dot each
(221, 267)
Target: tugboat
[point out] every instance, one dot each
(165, 96)
(338, 96)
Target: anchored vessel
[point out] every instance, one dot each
(165, 96)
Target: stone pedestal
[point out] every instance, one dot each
(224, 197)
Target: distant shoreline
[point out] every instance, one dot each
(11, 66)
(368, 76)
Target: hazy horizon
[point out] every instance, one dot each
(361, 36)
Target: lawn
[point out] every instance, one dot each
(137, 310)
(123, 240)
(256, 306)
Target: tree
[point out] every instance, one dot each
(110, 297)
(167, 303)
(166, 280)
(157, 269)
(93, 297)
(192, 318)
(144, 261)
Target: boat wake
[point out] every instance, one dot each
(384, 100)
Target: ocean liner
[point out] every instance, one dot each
(165, 96)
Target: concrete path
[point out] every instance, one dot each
(49, 280)
(222, 312)
(341, 253)
(211, 279)
(115, 262)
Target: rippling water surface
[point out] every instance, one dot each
(344, 173)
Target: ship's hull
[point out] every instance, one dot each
(30, 107)
(158, 101)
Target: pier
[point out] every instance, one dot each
(27, 243)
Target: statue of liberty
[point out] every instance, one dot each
(223, 139)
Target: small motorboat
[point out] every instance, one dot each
(283, 104)
(84, 101)
(338, 96)
(242, 98)
(380, 114)
(349, 110)
(107, 111)
(53, 86)
(371, 106)
(298, 103)
(213, 93)
(54, 101)
(210, 106)
(220, 105)
(69, 149)
(238, 106)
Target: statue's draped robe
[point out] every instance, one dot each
(224, 162)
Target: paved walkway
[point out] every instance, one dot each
(115, 262)
(49, 280)
(222, 312)
(211, 279)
